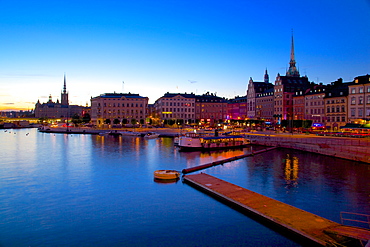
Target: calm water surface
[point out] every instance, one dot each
(84, 190)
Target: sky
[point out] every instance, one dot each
(154, 47)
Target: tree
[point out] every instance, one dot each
(307, 124)
(124, 121)
(76, 119)
(116, 121)
(141, 121)
(133, 121)
(107, 121)
(86, 118)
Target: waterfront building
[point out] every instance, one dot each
(57, 109)
(210, 109)
(285, 88)
(237, 108)
(359, 100)
(299, 105)
(176, 107)
(119, 108)
(254, 90)
(336, 106)
(265, 105)
(314, 105)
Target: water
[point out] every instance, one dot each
(84, 190)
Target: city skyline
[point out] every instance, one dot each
(153, 48)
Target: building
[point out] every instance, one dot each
(314, 105)
(359, 100)
(299, 105)
(119, 108)
(336, 105)
(265, 105)
(210, 109)
(176, 106)
(285, 88)
(253, 91)
(57, 109)
(237, 108)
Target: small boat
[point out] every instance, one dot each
(176, 141)
(201, 141)
(151, 135)
(166, 174)
(130, 133)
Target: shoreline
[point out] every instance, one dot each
(355, 149)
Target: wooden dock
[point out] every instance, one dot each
(220, 162)
(310, 227)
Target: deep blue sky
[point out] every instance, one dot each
(160, 46)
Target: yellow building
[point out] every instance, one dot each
(119, 108)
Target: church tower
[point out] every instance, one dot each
(266, 78)
(292, 71)
(64, 94)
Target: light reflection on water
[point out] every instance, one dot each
(79, 190)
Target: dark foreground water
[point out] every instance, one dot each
(83, 190)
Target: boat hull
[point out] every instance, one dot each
(166, 175)
(212, 143)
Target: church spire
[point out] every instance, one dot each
(64, 94)
(65, 86)
(292, 71)
(266, 78)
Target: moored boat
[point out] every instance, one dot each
(151, 135)
(199, 141)
(166, 174)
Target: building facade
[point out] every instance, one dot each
(265, 105)
(114, 108)
(253, 91)
(210, 109)
(359, 100)
(314, 104)
(176, 106)
(237, 108)
(336, 105)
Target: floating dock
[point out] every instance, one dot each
(311, 228)
(219, 162)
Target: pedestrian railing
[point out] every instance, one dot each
(360, 220)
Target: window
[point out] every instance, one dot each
(343, 119)
(368, 89)
(361, 90)
(343, 110)
(328, 109)
(360, 112)
(368, 99)
(361, 100)
(353, 101)
(353, 112)
(353, 90)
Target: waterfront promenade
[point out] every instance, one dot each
(356, 149)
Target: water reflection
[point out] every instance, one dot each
(291, 169)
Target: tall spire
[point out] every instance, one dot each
(292, 71)
(64, 94)
(266, 78)
(65, 86)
